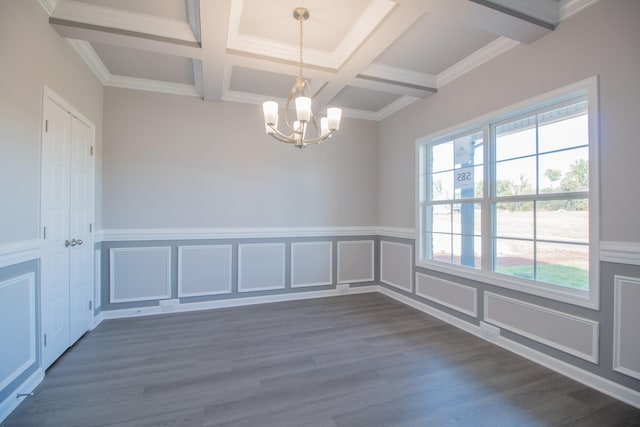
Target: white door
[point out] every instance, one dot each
(80, 213)
(67, 199)
(56, 147)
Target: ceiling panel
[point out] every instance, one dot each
(363, 99)
(372, 57)
(142, 64)
(172, 9)
(328, 23)
(432, 45)
(265, 83)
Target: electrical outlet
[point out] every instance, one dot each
(169, 305)
(343, 288)
(489, 332)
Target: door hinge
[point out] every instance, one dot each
(45, 340)
(90, 305)
(46, 126)
(90, 227)
(91, 151)
(44, 233)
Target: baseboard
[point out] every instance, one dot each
(11, 402)
(97, 319)
(613, 389)
(234, 302)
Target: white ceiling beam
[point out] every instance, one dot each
(401, 17)
(214, 16)
(491, 20)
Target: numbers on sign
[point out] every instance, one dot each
(463, 176)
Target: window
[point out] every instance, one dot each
(508, 200)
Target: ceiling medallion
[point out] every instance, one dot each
(300, 96)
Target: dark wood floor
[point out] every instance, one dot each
(361, 360)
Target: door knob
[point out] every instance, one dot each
(79, 242)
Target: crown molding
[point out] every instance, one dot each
(477, 58)
(395, 106)
(48, 5)
(568, 8)
(91, 58)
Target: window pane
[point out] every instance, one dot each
(439, 247)
(468, 182)
(514, 257)
(563, 264)
(514, 219)
(563, 220)
(442, 156)
(467, 219)
(516, 139)
(442, 186)
(564, 171)
(439, 218)
(516, 177)
(467, 251)
(564, 127)
(468, 150)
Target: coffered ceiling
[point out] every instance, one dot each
(370, 57)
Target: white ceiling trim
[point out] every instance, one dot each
(152, 85)
(477, 58)
(48, 5)
(362, 28)
(91, 58)
(569, 8)
(395, 106)
(91, 14)
(400, 75)
(193, 17)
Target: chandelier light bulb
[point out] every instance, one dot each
(334, 115)
(303, 108)
(270, 110)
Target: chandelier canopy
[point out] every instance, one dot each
(300, 96)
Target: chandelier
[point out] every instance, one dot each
(300, 95)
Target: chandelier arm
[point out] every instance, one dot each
(280, 136)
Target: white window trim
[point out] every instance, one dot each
(590, 298)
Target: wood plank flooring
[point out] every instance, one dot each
(359, 360)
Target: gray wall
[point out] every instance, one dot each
(32, 55)
(603, 39)
(178, 162)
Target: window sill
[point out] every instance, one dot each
(554, 292)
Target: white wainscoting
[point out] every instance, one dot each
(571, 334)
(396, 265)
(355, 261)
(17, 252)
(311, 264)
(17, 326)
(204, 270)
(261, 266)
(453, 295)
(140, 274)
(626, 326)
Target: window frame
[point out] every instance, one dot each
(587, 89)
